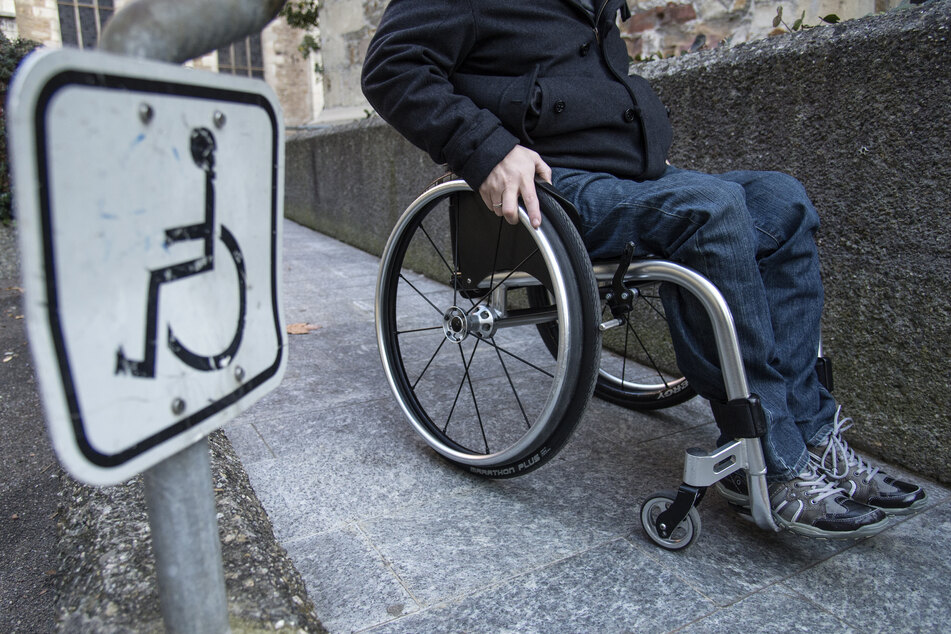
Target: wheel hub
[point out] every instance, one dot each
(482, 322)
(457, 324)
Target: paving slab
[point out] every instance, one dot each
(613, 587)
(389, 537)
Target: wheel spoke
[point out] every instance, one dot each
(462, 382)
(455, 256)
(515, 268)
(452, 271)
(475, 403)
(518, 358)
(495, 256)
(626, 340)
(647, 300)
(512, 385)
(650, 358)
(442, 340)
(421, 294)
(415, 330)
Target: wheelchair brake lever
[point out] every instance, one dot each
(621, 298)
(611, 323)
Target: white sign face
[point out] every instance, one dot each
(149, 201)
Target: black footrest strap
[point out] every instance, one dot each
(740, 418)
(824, 371)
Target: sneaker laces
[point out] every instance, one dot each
(817, 486)
(837, 450)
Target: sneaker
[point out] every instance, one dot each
(809, 505)
(861, 481)
(735, 490)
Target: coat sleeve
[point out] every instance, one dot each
(406, 78)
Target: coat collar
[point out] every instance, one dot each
(604, 7)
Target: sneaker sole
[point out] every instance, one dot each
(811, 531)
(741, 504)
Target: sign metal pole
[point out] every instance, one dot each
(181, 506)
(178, 490)
(147, 193)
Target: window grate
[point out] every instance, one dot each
(242, 58)
(81, 21)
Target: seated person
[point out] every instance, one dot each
(507, 92)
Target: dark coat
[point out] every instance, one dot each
(466, 80)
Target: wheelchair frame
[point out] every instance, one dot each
(669, 518)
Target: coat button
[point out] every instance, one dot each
(584, 48)
(630, 114)
(559, 106)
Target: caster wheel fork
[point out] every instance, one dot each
(655, 513)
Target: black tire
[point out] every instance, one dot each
(463, 356)
(638, 369)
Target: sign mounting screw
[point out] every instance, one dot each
(219, 119)
(146, 113)
(178, 406)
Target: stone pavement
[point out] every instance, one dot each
(390, 538)
(29, 480)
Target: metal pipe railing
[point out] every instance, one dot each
(179, 30)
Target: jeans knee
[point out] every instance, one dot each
(726, 204)
(792, 198)
(781, 209)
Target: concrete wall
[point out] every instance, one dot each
(859, 112)
(353, 181)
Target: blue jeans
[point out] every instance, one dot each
(751, 234)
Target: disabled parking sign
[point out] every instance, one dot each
(149, 202)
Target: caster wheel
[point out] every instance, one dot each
(685, 534)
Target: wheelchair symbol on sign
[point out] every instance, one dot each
(203, 152)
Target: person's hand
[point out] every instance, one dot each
(513, 177)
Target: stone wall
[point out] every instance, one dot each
(669, 28)
(290, 74)
(346, 28)
(859, 112)
(39, 21)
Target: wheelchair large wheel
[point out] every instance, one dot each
(460, 343)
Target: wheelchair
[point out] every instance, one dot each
(494, 337)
